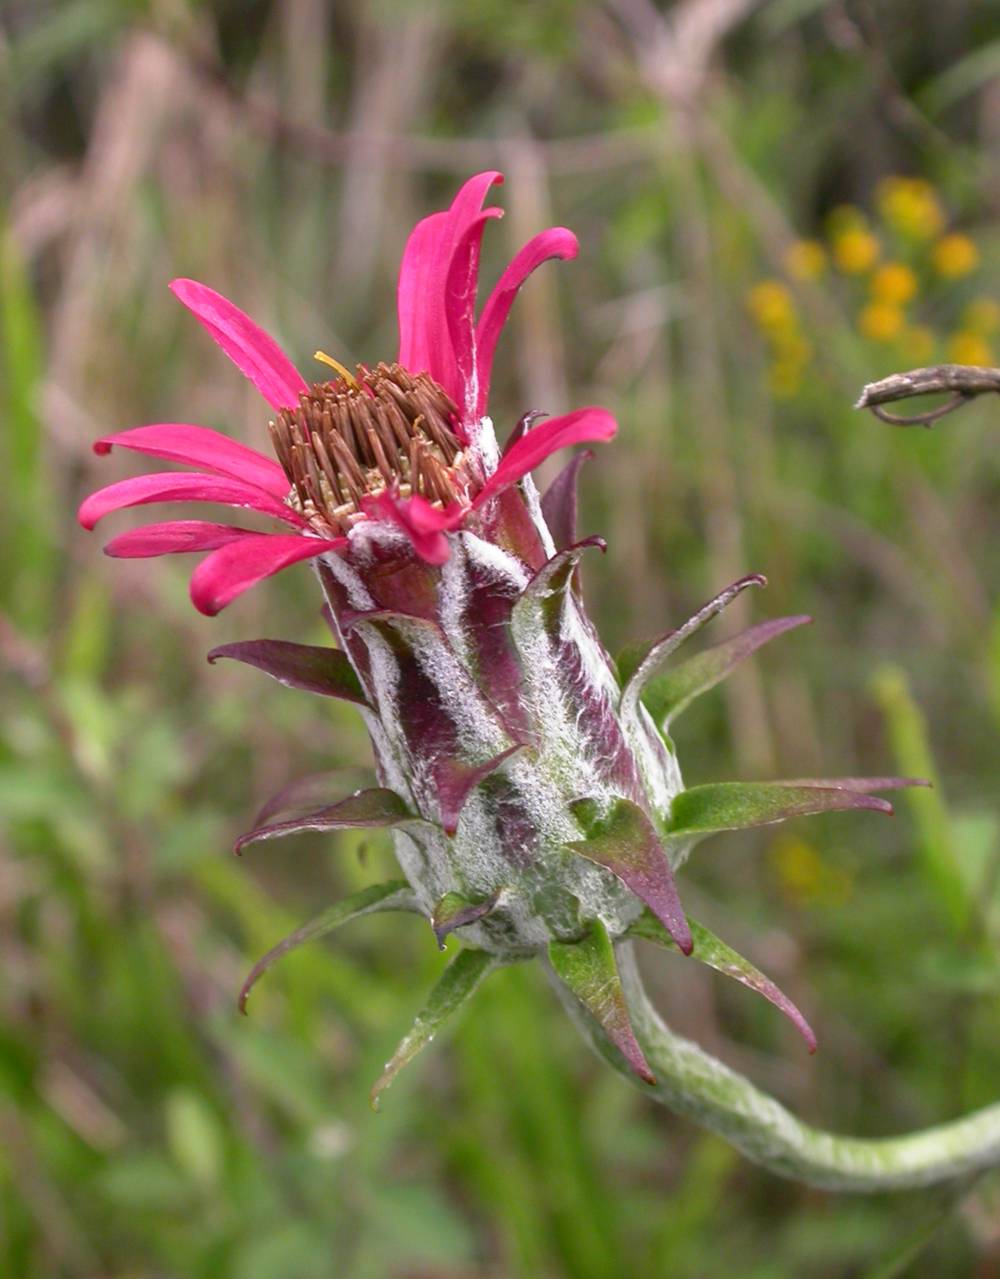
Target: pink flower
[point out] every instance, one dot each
(404, 445)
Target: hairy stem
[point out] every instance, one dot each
(693, 1083)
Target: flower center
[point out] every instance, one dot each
(360, 434)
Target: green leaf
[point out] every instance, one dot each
(395, 895)
(588, 970)
(420, 1231)
(711, 950)
(669, 694)
(938, 845)
(26, 546)
(457, 984)
(979, 67)
(194, 1136)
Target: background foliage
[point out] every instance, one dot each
(726, 171)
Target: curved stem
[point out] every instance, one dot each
(693, 1083)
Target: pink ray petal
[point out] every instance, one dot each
(172, 538)
(425, 343)
(253, 351)
(180, 486)
(534, 447)
(412, 287)
(460, 312)
(199, 446)
(422, 523)
(556, 242)
(233, 569)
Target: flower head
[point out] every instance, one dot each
(969, 347)
(855, 250)
(405, 444)
(910, 207)
(529, 782)
(881, 321)
(954, 256)
(894, 283)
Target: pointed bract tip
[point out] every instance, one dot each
(455, 782)
(877, 805)
(588, 970)
(639, 1066)
(714, 952)
(454, 911)
(625, 842)
(455, 986)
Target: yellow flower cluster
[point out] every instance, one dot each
(910, 208)
(954, 256)
(971, 343)
(892, 286)
(773, 309)
(855, 250)
(895, 283)
(907, 254)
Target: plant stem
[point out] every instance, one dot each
(693, 1083)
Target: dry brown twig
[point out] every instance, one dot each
(965, 381)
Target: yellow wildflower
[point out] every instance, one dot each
(771, 305)
(855, 251)
(982, 315)
(805, 260)
(955, 255)
(894, 283)
(881, 321)
(910, 207)
(969, 348)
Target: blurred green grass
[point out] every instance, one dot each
(280, 152)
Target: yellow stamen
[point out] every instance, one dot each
(346, 374)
